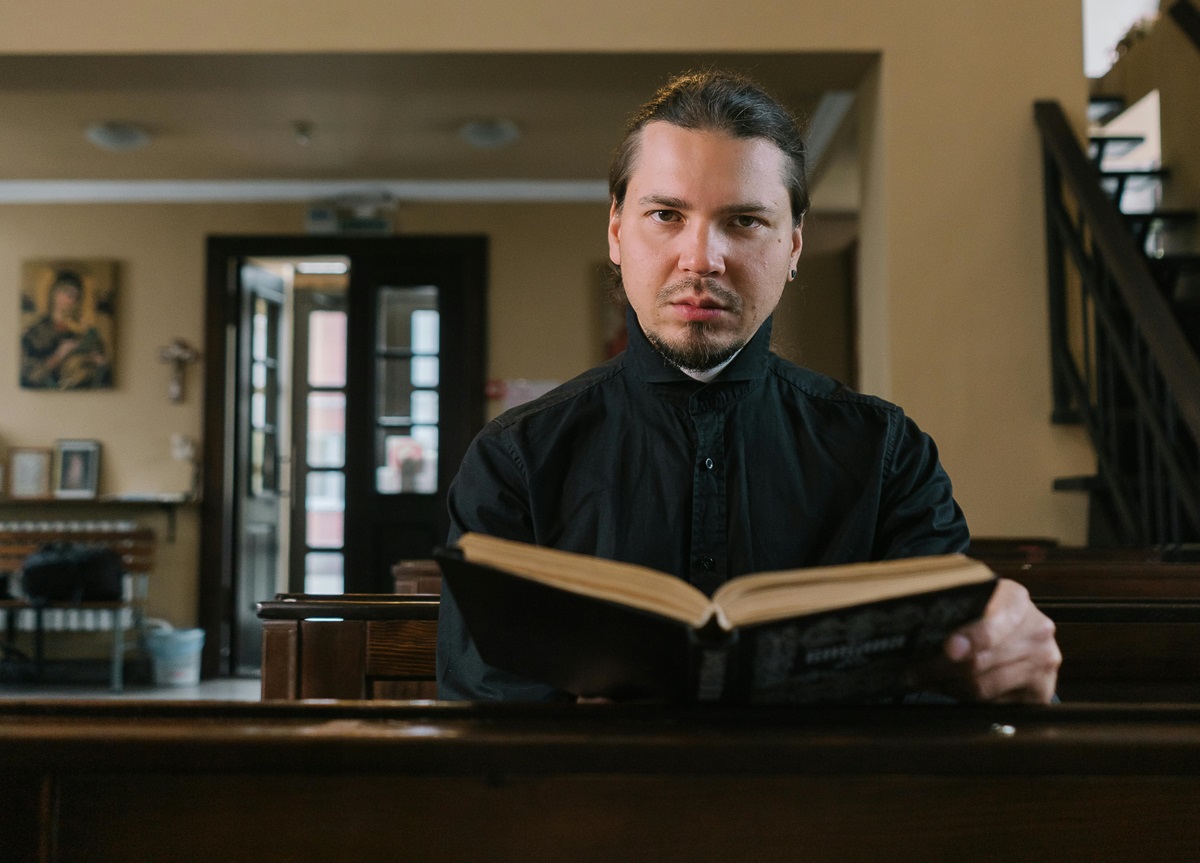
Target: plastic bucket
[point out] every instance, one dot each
(176, 655)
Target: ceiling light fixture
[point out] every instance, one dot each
(117, 137)
(490, 133)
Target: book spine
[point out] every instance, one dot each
(714, 662)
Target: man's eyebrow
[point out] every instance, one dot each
(665, 201)
(671, 203)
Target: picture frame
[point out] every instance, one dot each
(76, 469)
(29, 473)
(66, 329)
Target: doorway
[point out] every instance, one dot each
(344, 382)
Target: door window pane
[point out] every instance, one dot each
(408, 372)
(323, 572)
(397, 309)
(398, 379)
(325, 505)
(327, 349)
(395, 390)
(426, 331)
(425, 407)
(425, 371)
(326, 429)
(410, 463)
(264, 463)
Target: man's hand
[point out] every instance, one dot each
(1007, 655)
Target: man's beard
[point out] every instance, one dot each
(701, 347)
(697, 352)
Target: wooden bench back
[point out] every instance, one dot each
(136, 546)
(1129, 630)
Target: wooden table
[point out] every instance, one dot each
(150, 781)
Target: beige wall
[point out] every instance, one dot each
(952, 311)
(813, 324)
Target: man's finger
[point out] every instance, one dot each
(1006, 611)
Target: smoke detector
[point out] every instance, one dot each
(490, 133)
(118, 137)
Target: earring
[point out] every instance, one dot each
(792, 275)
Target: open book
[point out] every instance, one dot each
(602, 628)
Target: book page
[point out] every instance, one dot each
(625, 583)
(776, 595)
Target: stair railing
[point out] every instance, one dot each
(1120, 363)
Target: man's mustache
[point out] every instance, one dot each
(710, 288)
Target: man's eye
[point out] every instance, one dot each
(664, 216)
(746, 221)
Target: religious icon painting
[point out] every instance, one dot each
(67, 311)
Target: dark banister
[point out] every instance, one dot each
(1187, 17)
(1136, 283)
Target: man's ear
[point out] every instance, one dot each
(797, 243)
(614, 233)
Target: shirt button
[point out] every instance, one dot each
(706, 563)
(708, 464)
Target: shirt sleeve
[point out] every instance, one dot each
(489, 496)
(918, 514)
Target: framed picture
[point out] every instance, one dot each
(67, 309)
(76, 468)
(29, 473)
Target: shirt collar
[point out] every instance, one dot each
(648, 364)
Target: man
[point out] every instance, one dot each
(697, 451)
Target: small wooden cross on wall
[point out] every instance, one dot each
(179, 354)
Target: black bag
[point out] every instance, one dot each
(72, 572)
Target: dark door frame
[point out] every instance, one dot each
(217, 509)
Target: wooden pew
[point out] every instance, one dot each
(1128, 630)
(417, 577)
(284, 782)
(355, 646)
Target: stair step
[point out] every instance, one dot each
(1164, 220)
(1153, 173)
(1117, 183)
(1103, 108)
(1180, 277)
(1112, 146)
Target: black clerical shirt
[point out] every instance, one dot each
(769, 466)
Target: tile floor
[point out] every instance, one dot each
(227, 689)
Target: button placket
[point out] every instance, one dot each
(708, 554)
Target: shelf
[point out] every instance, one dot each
(165, 502)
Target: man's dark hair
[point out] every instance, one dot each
(723, 102)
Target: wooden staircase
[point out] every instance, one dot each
(1124, 343)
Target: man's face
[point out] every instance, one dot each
(704, 240)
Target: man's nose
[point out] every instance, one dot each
(703, 250)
